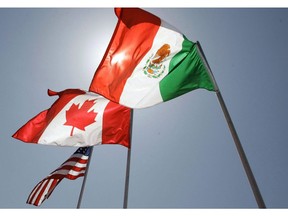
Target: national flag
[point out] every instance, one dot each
(71, 169)
(148, 62)
(78, 118)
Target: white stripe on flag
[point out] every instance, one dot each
(38, 190)
(73, 163)
(64, 172)
(46, 190)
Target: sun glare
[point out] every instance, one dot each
(118, 58)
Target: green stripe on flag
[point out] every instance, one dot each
(187, 72)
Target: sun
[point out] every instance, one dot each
(118, 58)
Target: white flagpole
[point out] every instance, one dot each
(125, 203)
(234, 134)
(84, 179)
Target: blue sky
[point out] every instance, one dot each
(183, 155)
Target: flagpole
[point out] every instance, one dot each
(125, 203)
(84, 180)
(234, 134)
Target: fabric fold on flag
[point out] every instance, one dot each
(148, 62)
(78, 118)
(73, 168)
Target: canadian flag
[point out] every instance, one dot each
(78, 118)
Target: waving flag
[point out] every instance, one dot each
(148, 62)
(71, 169)
(78, 118)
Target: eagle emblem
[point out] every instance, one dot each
(153, 67)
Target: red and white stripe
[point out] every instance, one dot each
(72, 168)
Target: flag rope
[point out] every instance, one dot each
(234, 134)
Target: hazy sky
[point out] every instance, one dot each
(183, 155)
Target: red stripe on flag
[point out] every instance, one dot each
(52, 187)
(73, 168)
(77, 160)
(33, 193)
(129, 44)
(72, 177)
(116, 125)
(42, 190)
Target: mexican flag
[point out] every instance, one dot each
(148, 62)
(78, 118)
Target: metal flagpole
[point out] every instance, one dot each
(84, 180)
(125, 203)
(236, 139)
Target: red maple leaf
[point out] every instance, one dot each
(80, 117)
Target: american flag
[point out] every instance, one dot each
(71, 169)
